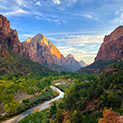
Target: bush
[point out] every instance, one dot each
(59, 116)
(25, 100)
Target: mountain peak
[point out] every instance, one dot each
(82, 63)
(29, 39)
(69, 56)
(40, 38)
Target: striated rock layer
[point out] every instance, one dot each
(112, 47)
(39, 49)
(8, 37)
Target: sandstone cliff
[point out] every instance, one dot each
(39, 49)
(11, 55)
(8, 37)
(112, 47)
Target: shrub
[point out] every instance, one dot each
(109, 116)
(25, 100)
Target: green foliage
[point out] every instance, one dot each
(59, 116)
(10, 103)
(77, 117)
(63, 87)
(25, 100)
(20, 65)
(53, 108)
(98, 65)
(85, 100)
(38, 117)
(46, 96)
(13, 85)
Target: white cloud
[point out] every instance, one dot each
(3, 7)
(81, 39)
(58, 24)
(79, 46)
(61, 8)
(71, 2)
(117, 12)
(118, 20)
(91, 17)
(56, 2)
(38, 3)
(16, 12)
(52, 20)
(20, 2)
(88, 57)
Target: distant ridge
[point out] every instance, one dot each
(40, 50)
(82, 63)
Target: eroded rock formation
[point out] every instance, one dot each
(112, 47)
(8, 37)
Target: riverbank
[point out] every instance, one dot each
(48, 94)
(42, 115)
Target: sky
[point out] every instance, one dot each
(73, 26)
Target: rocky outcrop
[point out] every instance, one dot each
(72, 63)
(82, 63)
(56, 54)
(8, 37)
(39, 49)
(112, 47)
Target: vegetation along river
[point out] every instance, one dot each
(41, 106)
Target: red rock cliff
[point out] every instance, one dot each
(112, 47)
(8, 36)
(37, 49)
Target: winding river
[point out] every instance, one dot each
(41, 106)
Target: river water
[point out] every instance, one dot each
(41, 107)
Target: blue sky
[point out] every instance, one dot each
(74, 26)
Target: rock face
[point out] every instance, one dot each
(58, 58)
(72, 63)
(112, 47)
(82, 63)
(39, 49)
(8, 37)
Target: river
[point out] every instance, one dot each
(41, 107)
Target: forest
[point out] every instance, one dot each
(86, 99)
